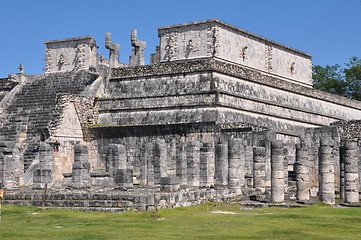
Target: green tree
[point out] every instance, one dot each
(330, 79)
(353, 78)
(342, 81)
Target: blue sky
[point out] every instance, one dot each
(327, 29)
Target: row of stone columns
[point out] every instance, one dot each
(206, 164)
(350, 182)
(327, 172)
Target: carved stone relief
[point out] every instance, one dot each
(268, 57)
(171, 46)
(80, 57)
(292, 68)
(243, 53)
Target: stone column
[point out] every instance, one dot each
(221, 173)
(302, 173)
(160, 160)
(342, 172)
(207, 164)
(351, 173)
(124, 178)
(116, 158)
(327, 172)
(286, 153)
(44, 174)
(143, 165)
(150, 163)
(277, 172)
(259, 168)
(7, 165)
(181, 162)
(81, 167)
(2, 171)
(193, 162)
(235, 152)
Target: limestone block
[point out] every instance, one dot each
(124, 178)
(170, 183)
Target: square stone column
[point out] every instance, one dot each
(236, 163)
(44, 174)
(116, 158)
(207, 168)
(124, 178)
(81, 167)
(193, 163)
(259, 168)
(181, 162)
(8, 166)
(160, 160)
(150, 163)
(221, 174)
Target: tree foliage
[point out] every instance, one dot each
(344, 81)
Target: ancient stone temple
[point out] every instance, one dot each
(219, 114)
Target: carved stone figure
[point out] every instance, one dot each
(137, 57)
(114, 50)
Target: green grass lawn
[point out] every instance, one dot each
(316, 222)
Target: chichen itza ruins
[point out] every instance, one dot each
(219, 114)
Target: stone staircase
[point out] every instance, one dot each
(33, 106)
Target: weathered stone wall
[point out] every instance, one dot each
(71, 54)
(214, 38)
(209, 90)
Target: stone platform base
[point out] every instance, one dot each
(112, 200)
